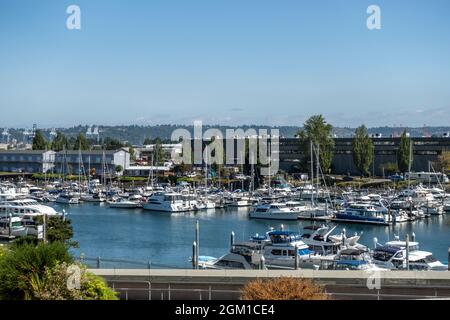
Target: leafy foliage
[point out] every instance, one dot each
(316, 129)
(403, 153)
(389, 168)
(81, 143)
(58, 230)
(444, 162)
(283, 288)
(53, 285)
(362, 150)
(25, 262)
(39, 141)
(60, 142)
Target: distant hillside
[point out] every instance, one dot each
(136, 134)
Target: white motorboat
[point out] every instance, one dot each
(67, 198)
(123, 203)
(166, 202)
(273, 211)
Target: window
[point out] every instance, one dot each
(276, 252)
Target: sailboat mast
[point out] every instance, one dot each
(312, 171)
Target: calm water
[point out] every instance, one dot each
(166, 239)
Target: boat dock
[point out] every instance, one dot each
(173, 284)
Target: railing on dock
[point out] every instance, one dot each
(112, 263)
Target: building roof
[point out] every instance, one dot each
(91, 152)
(24, 151)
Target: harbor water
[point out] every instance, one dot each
(135, 238)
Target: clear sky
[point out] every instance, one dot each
(271, 62)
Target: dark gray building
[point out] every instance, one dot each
(425, 150)
(69, 162)
(30, 161)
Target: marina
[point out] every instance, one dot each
(138, 235)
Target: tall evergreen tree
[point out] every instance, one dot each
(362, 150)
(159, 153)
(317, 130)
(39, 141)
(60, 142)
(403, 153)
(81, 143)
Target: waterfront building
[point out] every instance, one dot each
(29, 161)
(102, 161)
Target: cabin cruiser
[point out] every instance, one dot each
(277, 248)
(364, 213)
(393, 254)
(321, 240)
(12, 226)
(167, 202)
(67, 198)
(123, 203)
(405, 209)
(274, 211)
(20, 207)
(350, 259)
(239, 201)
(94, 197)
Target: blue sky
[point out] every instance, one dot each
(224, 61)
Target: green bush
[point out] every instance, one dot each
(23, 262)
(53, 285)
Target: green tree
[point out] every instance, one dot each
(81, 143)
(112, 144)
(444, 162)
(60, 142)
(39, 141)
(362, 150)
(58, 230)
(404, 153)
(147, 141)
(388, 168)
(159, 153)
(316, 129)
(119, 169)
(132, 153)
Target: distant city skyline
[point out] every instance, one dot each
(224, 62)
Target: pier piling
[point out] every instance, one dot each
(194, 255)
(407, 252)
(232, 239)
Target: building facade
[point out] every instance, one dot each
(28, 161)
(74, 162)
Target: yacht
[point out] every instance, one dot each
(351, 259)
(123, 203)
(364, 213)
(20, 207)
(392, 255)
(167, 202)
(94, 197)
(238, 201)
(67, 198)
(274, 211)
(12, 227)
(276, 246)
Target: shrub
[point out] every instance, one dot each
(23, 262)
(283, 288)
(53, 285)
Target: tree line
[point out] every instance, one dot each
(318, 134)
